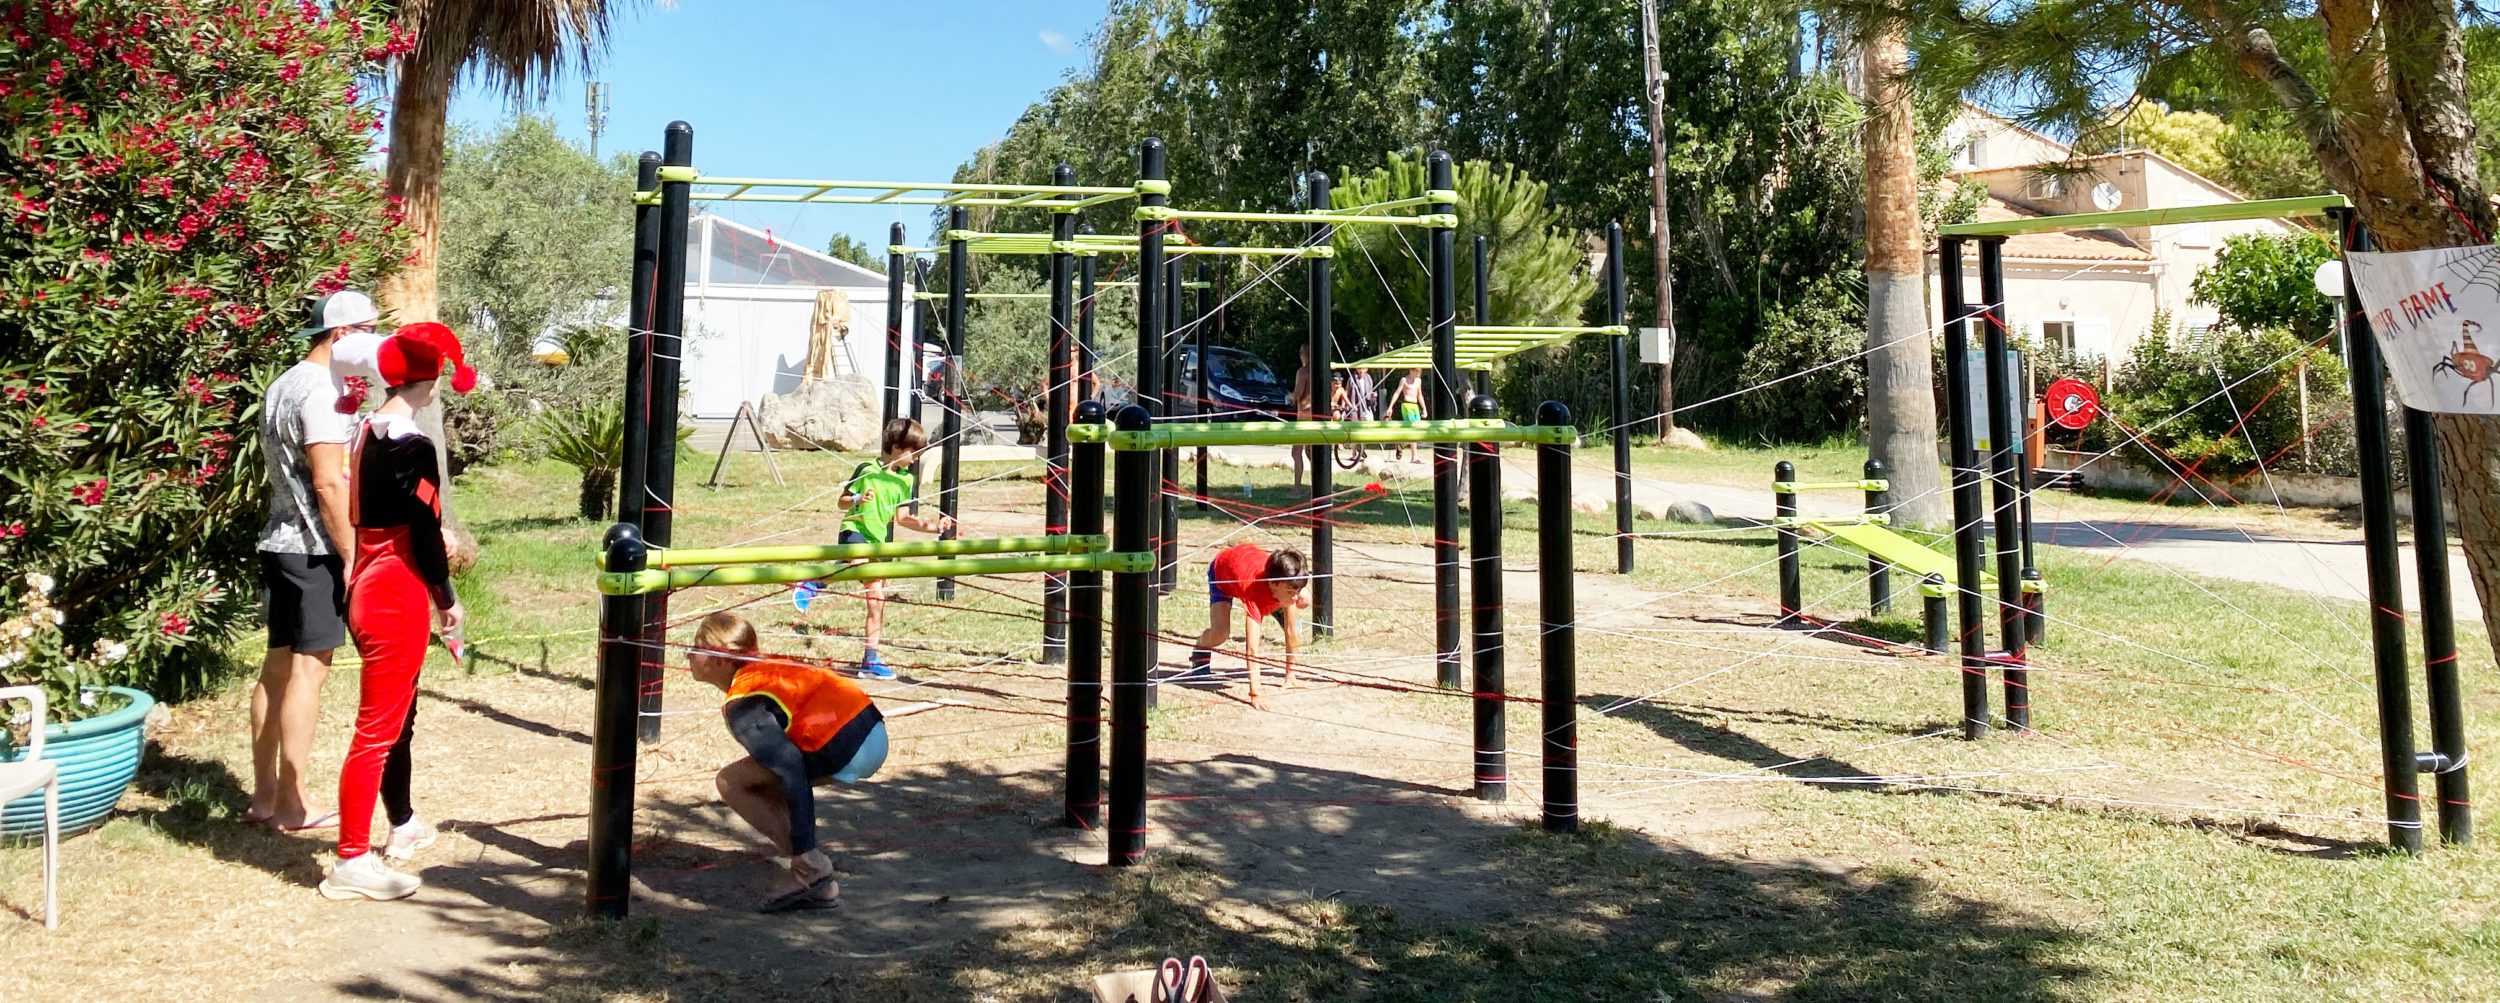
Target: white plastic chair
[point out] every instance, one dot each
(31, 774)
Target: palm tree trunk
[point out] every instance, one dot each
(1900, 376)
(420, 106)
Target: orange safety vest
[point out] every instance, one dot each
(816, 701)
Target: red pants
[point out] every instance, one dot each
(390, 616)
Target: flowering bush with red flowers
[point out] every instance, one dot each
(175, 177)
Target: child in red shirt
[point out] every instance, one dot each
(1267, 584)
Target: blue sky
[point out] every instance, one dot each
(820, 89)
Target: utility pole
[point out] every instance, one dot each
(1655, 89)
(595, 99)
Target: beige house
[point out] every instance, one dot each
(2093, 292)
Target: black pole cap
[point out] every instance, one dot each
(1062, 174)
(1784, 470)
(1875, 468)
(1133, 418)
(1553, 413)
(896, 232)
(1089, 411)
(1483, 406)
(625, 549)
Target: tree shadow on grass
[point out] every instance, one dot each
(203, 805)
(1298, 882)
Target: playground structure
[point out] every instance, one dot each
(639, 568)
(2401, 764)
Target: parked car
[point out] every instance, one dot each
(1240, 386)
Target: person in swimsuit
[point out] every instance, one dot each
(1407, 403)
(801, 725)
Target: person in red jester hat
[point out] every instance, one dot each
(399, 593)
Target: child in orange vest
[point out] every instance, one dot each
(801, 725)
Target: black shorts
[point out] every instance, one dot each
(304, 600)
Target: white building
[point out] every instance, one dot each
(2090, 291)
(750, 299)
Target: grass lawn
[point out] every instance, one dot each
(1770, 814)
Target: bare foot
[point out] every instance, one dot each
(303, 819)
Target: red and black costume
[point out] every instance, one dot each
(402, 575)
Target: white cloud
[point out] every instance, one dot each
(1057, 41)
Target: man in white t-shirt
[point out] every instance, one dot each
(304, 549)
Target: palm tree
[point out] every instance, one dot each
(516, 45)
(1900, 401)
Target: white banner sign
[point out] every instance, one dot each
(2437, 317)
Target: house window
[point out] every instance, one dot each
(2046, 187)
(1972, 155)
(2058, 334)
(2195, 235)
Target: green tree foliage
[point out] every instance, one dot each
(535, 234)
(175, 176)
(1248, 97)
(851, 249)
(1539, 272)
(2172, 390)
(2261, 281)
(2196, 140)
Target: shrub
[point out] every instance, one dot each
(592, 441)
(1822, 325)
(2260, 281)
(175, 176)
(2170, 393)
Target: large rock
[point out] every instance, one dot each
(1691, 513)
(835, 414)
(1686, 439)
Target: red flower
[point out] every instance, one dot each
(13, 530)
(91, 493)
(175, 624)
(294, 68)
(40, 422)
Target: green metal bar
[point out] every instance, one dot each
(1872, 519)
(1166, 213)
(656, 580)
(1312, 251)
(689, 557)
(1869, 484)
(1393, 204)
(2305, 205)
(983, 296)
(1318, 433)
(1532, 329)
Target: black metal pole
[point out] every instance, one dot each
(1622, 433)
(919, 379)
(667, 340)
(1558, 660)
(634, 467)
(894, 303)
(1446, 386)
(1482, 380)
(1966, 506)
(956, 400)
(1085, 357)
(2378, 525)
(2004, 444)
(1204, 396)
(1878, 570)
(1784, 509)
(1149, 387)
(1132, 640)
(1168, 564)
(1084, 797)
(2446, 760)
(1484, 565)
(1322, 343)
(2035, 597)
(615, 709)
(1932, 615)
(1057, 375)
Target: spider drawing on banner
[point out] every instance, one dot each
(2468, 363)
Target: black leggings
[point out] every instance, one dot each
(395, 774)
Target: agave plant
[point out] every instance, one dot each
(592, 440)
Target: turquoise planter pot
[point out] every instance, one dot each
(97, 758)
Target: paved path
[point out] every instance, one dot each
(2331, 568)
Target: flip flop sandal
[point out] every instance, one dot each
(325, 820)
(803, 899)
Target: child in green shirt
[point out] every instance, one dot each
(874, 499)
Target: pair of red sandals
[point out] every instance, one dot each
(1191, 981)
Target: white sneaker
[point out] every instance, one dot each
(407, 839)
(366, 876)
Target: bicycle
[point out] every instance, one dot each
(1350, 454)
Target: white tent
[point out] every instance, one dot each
(749, 299)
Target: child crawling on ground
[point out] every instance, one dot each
(1264, 584)
(801, 725)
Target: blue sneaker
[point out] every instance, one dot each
(874, 667)
(806, 594)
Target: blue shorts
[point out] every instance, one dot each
(863, 764)
(850, 536)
